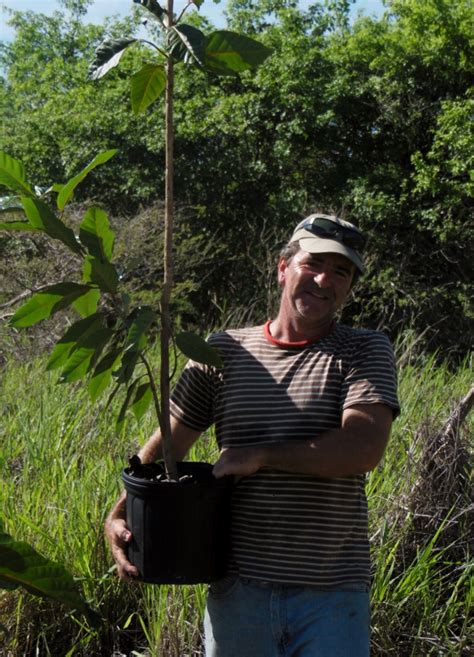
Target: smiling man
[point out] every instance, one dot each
(302, 411)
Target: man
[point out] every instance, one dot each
(302, 409)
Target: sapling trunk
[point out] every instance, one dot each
(170, 463)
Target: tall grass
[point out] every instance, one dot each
(60, 463)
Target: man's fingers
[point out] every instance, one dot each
(125, 569)
(119, 536)
(126, 536)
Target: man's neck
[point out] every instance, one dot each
(292, 331)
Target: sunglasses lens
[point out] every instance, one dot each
(356, 242)
(329, 230)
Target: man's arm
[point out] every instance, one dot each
(116, 530)
(355, 448)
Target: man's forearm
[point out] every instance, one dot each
(151, 450)
(355, 448)
(183, 438)
(335, 454)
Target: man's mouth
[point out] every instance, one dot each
(318, 294)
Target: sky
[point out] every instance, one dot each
(102, 8)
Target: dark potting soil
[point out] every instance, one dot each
(192, 473)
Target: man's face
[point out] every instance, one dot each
(314, 286)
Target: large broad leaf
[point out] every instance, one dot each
(85, 354)
(67, 190)
(100, 273)
(107, 56)
(47, 302)
(141, 400)
(12, 175)
(95, 234)
(87, 304)
(127, 366)
(146, 86)
(42, 218)
(21, 565)
(79, 330)
(126, 403)
(141, 321)
(228, 53)
(153, 6)
(187, 44)
(102, 374)
(196, 348)
(19, 225)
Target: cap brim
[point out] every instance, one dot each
(312, 244)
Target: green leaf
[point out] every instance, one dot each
(12, 175)
(125, 405)
(42, 218)
(142, 319)
(67, 190)
(47, 302)
(187, 44)
(19, 225)
(20, 564)
(153, 6)
(146, 86)
(107, 56)
(100, 273)
(102, 374)
(228, 53)
(72, 337)
(196, 348)
(127, 366)
(141, 400)
(8, 586)
(95, 234)
(198, 3)
(87, 304)
(87, 351)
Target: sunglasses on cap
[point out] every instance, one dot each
(327, 229)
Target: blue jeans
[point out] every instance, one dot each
(249, 619)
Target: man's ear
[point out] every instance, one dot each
(282, 267)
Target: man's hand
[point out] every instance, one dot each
(238, 461)
(119, 536)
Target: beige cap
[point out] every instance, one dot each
(324, 233)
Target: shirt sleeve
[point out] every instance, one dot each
(371, 377)
(192, 399)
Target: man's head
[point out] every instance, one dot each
(323, 233)
(316, 271)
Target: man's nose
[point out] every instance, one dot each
(322, 278)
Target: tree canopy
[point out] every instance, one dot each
(372, 117)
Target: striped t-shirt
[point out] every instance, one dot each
(291, 528)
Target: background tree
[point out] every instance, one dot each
(374, 117)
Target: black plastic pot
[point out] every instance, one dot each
(181, 530)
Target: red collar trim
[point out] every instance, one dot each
(299, 343)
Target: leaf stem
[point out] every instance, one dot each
(153, 45)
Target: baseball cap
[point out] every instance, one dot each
(324, 233)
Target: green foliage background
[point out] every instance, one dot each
(372, 117)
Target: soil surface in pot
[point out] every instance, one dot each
(156, 472)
